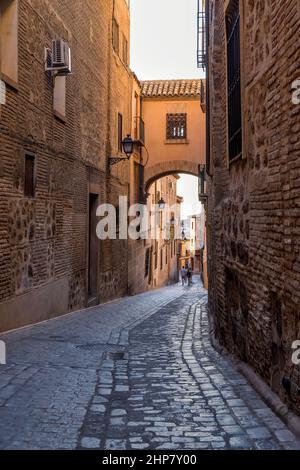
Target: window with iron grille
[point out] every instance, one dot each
(29, 190)
(176, 126)
(234, 80)
(115, 36)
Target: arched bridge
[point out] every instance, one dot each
(174, 116)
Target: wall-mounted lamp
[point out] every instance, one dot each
(127, 146)
(161, 204)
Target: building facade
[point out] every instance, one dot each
(175, 127)
(56, 139)
(193, 243)
(61, 157)
(253, 171)
(174, 138)
(161, 266)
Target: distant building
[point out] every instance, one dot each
(193, 241)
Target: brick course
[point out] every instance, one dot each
(44, 240)
(253, 212)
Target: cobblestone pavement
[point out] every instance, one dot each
(138, 373)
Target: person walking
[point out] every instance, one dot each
(189, 276)
(183, 274)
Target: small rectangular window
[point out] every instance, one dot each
(176, 126)
(9, 40)
(125, 50)
(59, 97)
(120, 132)
(29, 189)
(161, 259)
(115, 36)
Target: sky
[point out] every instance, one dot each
(164, 46)
(164, 39)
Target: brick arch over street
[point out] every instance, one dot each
(159, 170)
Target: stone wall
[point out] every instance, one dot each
(44, 240)
(253, 211)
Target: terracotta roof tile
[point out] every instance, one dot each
(172, 88)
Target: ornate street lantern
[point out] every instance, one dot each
(127, 145)
(161, 204)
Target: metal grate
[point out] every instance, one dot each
(234, 79)
(115, 355)
(201, 38)
(176, 126)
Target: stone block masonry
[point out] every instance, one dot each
(44, 239)
(253, 212)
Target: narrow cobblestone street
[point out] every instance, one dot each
(138, 373)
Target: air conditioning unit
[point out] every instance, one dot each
(58, 60)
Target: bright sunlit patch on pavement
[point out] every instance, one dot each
(2, 353)
(2, 92)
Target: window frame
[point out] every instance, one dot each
(60, 98)
(124, 50)
(115, 36)
(32, 157)
(242, 154)
(176, 122)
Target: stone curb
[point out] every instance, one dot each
(270, 398)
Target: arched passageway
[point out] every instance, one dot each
(165, 168)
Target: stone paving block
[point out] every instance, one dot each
(284, 435)
(258, 433)
(240, 443)
(172, 391)
(90, 443)
(115, 444)
(118, 412)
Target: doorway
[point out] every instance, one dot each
(93, 250)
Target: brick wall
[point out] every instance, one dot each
(44, 240)
(253, 213)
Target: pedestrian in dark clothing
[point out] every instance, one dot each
(190, 277)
